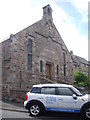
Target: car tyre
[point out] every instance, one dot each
(35, 109)
(86, 112)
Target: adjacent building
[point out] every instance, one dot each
(89, 69)
(79, 64)
(35, 55)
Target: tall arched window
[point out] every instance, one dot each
(41, 66)
(48, 11)
(29, 46)
(64, 64)
(57, 70)
(29, 49)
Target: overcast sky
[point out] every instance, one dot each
(69, 16)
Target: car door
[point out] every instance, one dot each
(66, 102)
(50, 98)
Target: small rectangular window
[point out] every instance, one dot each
(75, 66)
(84, 72)
(41, 66)
(57, 70)
(83, 65)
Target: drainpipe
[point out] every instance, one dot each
(20, 78)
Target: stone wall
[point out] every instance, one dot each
(47, 45)
(0, 71)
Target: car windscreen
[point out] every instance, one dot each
(76, 91)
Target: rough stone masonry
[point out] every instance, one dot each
(34, 55)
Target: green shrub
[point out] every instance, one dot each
(81, 80)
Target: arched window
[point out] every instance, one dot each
(64, 61)
(48, 11)
(57, 70)
(41, 66)
(29, 46)
(29, 49)
(64, 64)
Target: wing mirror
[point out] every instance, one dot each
(74, 96)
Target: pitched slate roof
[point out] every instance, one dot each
(75, 59)
(82, 60)
(78, 59)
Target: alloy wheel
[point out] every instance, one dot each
(35, 110)
(88, 113)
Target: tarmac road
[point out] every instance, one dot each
(13, 115)
(14, 111)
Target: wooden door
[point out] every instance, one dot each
(48, 70)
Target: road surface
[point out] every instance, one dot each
(11, 115)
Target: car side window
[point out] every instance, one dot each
(48, 90)
(36, 90)
(65, 91)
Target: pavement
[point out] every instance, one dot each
(12, 106)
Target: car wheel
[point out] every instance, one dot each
(86, 112)
(35, 110)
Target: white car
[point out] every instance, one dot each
(57, 97)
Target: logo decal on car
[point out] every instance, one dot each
(50, 100)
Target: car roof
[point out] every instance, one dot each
(52, 85)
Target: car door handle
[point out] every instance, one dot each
(40, 98)
(60, 98)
